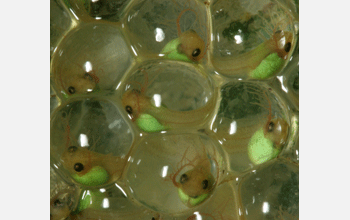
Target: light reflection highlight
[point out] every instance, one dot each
(157, 100)
(130, 159)
(165, 171)
(238, 39)
(233, 128)
(265, 207)
(76, 17)
(198, 216)
(160, 35)
(88, 66)
(83, 140)
(116, 123)
(280, 78)
(133, 50)
(105, 203)
(122, 190)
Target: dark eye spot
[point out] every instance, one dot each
(196, 52)
(128, 109)
(271, 127)
(78, 167)
(205, 184)
(287, 47)
(57, 202)
(71, 90)
(183, 178)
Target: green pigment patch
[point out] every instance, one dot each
(261, 149)
(84, 202)
(148, 123)
(268, 67)
(171, 52)
(191, 201)
(95, 177)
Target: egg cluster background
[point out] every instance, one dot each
(121, 42)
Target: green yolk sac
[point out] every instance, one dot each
(84, 202)
(148, 123)
(95, 177)
(261, 149)
(191, 201)
(268, 67)
(171, 52)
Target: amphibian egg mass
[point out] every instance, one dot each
(168, 109)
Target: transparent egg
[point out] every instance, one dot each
(188, 168)
(252, 39)
(271, 192)
(167, 95)
(172, 29)
(90, 141)
(252, 124)
(91, 58)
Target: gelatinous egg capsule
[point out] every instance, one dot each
(73, 78)
(151, 118)
(90, 168)
(269, 57)
(258, 130)
(86, 61)
(195, 184)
